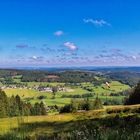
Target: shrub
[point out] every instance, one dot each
(66, 109)
(97, 104)
(85, 104)
(78, 95)
(41, 97)
(112, 102)
(134, 97)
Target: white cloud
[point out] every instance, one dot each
(37, 58)
(34, 57)
(96, 22)
(134, 57)
(70, 46)
(58, 33)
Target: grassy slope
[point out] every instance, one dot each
(28, 93)
(49, 124)
(31, 84)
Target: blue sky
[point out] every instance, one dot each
(52, 33)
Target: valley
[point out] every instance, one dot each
(44, 101)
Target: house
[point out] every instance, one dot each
(45, 89)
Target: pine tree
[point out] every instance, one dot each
(134, 97)
(97, 104)
(42, 107)
(14, 108)
(3, 104)
(37, 109)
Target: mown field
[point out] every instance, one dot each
(109, 119)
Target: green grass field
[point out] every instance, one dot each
(49, 124)
(102, 91)
(31, 84)
(115, 87)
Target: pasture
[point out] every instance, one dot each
(32, 96)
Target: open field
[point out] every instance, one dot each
(9, 123)
(32, 125)
(31, 84)
(115, 87)
(102, 91)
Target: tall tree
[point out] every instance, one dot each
(43, 109)
(3, 104)
(134, 97)
(54, 90)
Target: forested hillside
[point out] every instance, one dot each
(127, 77)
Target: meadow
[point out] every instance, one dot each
(101, 91)
(110, 119)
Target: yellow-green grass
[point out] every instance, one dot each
(34, 94)
(51, 122)
(56, 101)
(74, 91)
(17, 77)
(115, 87)
(27, 93)
(6, 124)
(109, 97)
(31, 84)
(102, 91)
(17, 80)
(23, 93)
(1, 84)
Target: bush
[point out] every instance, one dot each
(41, 97)
(97, 104)
(112, 102)
(66, 109)
(85, 104)
(78, 95)
(134, 97)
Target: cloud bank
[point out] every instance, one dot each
(95, 22)
(71, 46)
(58, 33)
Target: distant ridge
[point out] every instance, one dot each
(87, 68)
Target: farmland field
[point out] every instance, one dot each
(102, 91)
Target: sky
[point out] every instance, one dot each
(60, 33)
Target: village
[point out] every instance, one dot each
(35, 87)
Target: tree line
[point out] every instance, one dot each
(86, 95)
(14, 106)
(42, 76)
(84, 104)
(134, 97)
